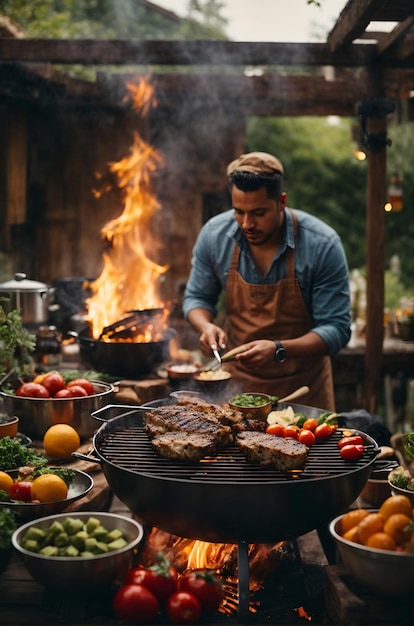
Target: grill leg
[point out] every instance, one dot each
(243, 583)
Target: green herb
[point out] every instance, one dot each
(409, 446)
(64, 473)
(7, 527)
(13, 455)
(16, 343)
(248, 400)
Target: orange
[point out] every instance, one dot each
(60, 440)
(6, 481)
(352, 534)
(381, 541)
(396, 504)
(395, 526)
(352, 518)
(372, 523)
(49, 488)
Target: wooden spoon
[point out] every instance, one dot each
(301, 391)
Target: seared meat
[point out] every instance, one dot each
(223, 413)
(185, 418)
(183, 446)
(250, 424)
(283, 454)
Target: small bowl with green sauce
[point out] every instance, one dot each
(253, 405)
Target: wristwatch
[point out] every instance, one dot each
(280, 353)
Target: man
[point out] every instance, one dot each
(286, 283)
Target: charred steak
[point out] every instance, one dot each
(283, 454)
(174, 418)
(183, 446)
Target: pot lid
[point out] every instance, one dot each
(21, 283)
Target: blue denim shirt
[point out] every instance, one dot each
(320, 264)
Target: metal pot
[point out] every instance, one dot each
(123, 359)
(227, 499)
(29, 296)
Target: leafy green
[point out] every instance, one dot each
(13, 454)
(7, 526)
(409, 446)
(16, 343)
(65, 473)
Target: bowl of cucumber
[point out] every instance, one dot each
(79, 550)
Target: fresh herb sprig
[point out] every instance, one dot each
(409, 446)
(8, 525)
(16, 343)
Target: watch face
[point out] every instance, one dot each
(280, 353)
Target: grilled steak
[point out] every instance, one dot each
(283, 454)
(183, 446)
(185, 418)
(250, 424)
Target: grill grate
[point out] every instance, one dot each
(128, 447)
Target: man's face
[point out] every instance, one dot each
(259, 217)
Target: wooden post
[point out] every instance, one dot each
(375, 267)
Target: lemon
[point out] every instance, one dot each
(60, 440)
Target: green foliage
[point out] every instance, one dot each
(8, 525)
(16, 343)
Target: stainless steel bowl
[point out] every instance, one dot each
(81, 484)
(81, 572)
(386, 572)
(36, 415)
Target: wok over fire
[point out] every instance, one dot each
(130, 280)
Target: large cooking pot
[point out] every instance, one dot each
(226, 499)
(123, 359)
(31, 297)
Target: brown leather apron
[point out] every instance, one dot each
(275, 311)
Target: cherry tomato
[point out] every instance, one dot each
(205, 586)
(83, 382)
(64, 393)
(324, 431)
(183, 607)
(352, 452)
(307, 437)
(276, 429)
(53, 381)
(292, 431)
(32, 390)
(310, 424)
(161, 580)
(21, 490)
(76, 391)
(135, 603)
(354, 440)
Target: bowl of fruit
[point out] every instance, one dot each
(80, 550)
(55, 398)
(377, 546)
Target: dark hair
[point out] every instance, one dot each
(249, 181)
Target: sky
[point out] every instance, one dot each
(272, 20)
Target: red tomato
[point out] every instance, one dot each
(324, 431)
(161, 584)
(64, 393)
(310, 424)
(135, 603)
(205, 586)
(76, 391)
(292, 431)
(32, 390)
(276, 429)
(354, 440)
(352, 452)
(53, 381)
(21, 490)
(82, 382)
(307, 437)
(183, 607)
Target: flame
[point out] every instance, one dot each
(130, 280)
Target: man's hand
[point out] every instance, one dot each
(212, 338)
(257, 354)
